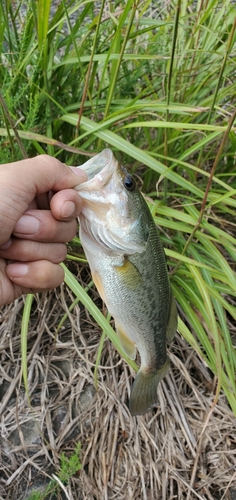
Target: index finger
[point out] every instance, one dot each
(39, 175)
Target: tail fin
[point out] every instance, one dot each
(144, 391)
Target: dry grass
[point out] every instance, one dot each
(184, 449)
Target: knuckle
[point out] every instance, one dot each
(49, 160)
(47, 275)
(60, 254)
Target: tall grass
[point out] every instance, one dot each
(156, 83)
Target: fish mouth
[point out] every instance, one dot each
(99, 170)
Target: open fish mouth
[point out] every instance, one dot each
(99, 170)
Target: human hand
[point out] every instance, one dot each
(33, 227)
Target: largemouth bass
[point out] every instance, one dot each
(129, 269)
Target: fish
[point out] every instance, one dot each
(128, 266)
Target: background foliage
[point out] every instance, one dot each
(155, 82)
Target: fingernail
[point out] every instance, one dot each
(6, 245)
(17, 270)
(78, 171)
(27, 224)
(68, 209)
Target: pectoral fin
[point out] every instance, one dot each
(131, 277)
(127, 344)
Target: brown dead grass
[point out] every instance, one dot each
(183, 449)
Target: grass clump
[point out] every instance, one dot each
(156, 84)
(67, 469)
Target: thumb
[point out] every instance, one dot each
(21, 181)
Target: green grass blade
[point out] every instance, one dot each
(24, 333)
(43, 19)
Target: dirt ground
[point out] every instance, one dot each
(185, 448)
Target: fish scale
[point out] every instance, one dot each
(128, 265)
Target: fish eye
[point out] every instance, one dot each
(129, 183)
